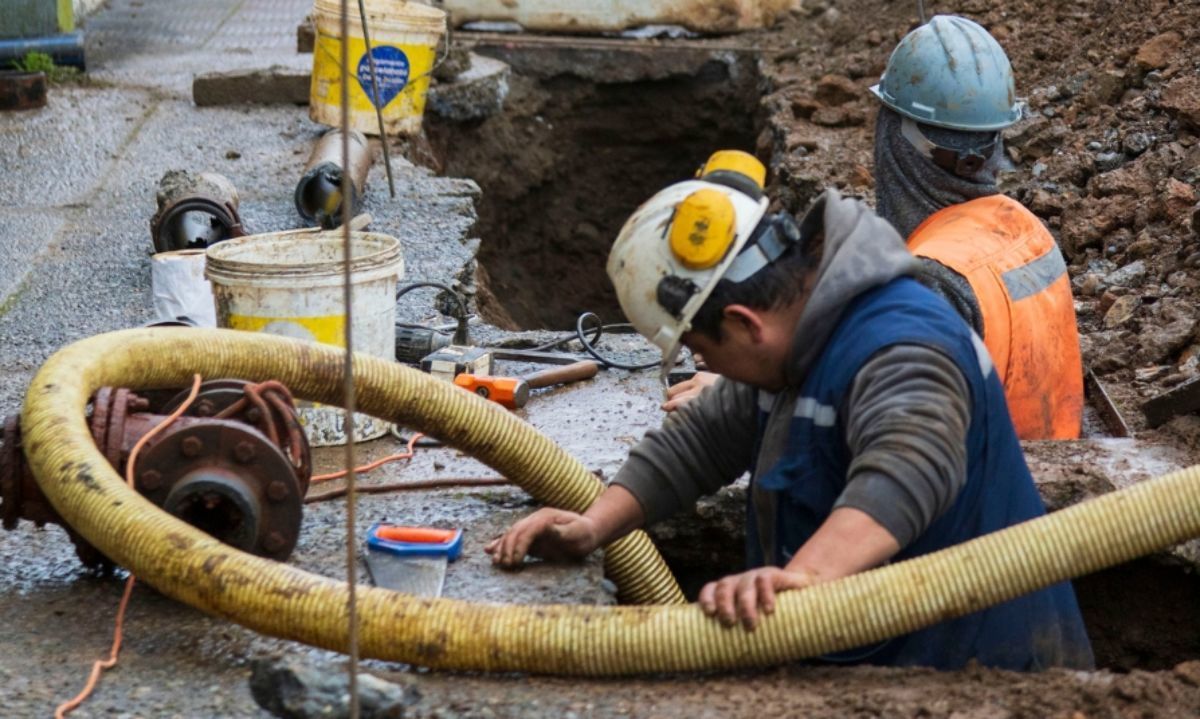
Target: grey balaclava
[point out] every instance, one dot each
(910, 188)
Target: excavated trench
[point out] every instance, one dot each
(565, 163)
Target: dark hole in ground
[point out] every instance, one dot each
(1139, 615)
(567, 162)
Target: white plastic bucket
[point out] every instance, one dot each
(290, 284)
(404, 40)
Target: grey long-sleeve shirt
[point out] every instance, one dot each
(905, 423)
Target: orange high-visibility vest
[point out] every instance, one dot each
(1020, 281)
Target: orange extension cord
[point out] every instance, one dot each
(102, 664)
(406, 454)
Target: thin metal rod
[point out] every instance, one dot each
(920, 11)
(349, 399)
(387, 159)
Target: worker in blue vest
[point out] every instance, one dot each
(869, 414)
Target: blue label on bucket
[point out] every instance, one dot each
(392, 65)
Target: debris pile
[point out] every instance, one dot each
(1107, 154)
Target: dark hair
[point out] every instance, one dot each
(777, 285)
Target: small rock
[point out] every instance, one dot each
(1105, 88)
(232, 155)
(833, 90)
(1151, 374)
(1161, 343)
(1130, 275)
(1121, 311)
(874, 38)
(1106, 161)
(475, 93)
(1088, 285)
(1179, 200)
(1144, 246)
(838, 117)
(1182, 98)
(1157, 52)
(804, 107)
(1189, 672)
(292, 690)
(1135, 143)
(1045, 204)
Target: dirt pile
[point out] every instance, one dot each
(1107, 154)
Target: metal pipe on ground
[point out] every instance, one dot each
(194, 211)
(63, 49)
(319, 192)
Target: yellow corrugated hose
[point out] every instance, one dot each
(277, 599)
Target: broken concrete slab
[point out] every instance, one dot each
(275, 85)
(474, 94)
(1181, 400)
(610, 15)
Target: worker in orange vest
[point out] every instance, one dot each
(947, 92)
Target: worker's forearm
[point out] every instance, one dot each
(849, 542)
(615, 513)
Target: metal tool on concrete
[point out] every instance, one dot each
(1109, 414)
(513, 392)
(411, 559)
(449, 362)
(194, 211)
(318, 195)
(235, 465)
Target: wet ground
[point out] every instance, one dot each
(74, 212)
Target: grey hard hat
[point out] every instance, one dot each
(951, 73)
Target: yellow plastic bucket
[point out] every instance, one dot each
(404, 40)
(290, 284)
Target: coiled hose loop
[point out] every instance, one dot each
(277, 599)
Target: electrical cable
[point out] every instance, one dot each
(101, 664)
(443, 483)
(583, 340)
(407, 454)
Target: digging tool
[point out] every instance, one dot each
(411, 559)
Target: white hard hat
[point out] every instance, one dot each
(674, 249)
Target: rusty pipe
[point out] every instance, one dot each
(319, 193)
(194, 211)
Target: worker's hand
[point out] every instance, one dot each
(740, 597)
(684, 392)
(553, 534)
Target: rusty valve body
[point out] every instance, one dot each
(235, 465)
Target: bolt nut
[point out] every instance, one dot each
(274, 542)
(204, 408)
(151, 479)
(244, 452)
(254, 415)
(191, 446)
(277, 490)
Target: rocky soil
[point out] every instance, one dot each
(1106, 155)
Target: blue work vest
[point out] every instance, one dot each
(1035, 631)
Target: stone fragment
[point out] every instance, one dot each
(1104, 88)
(275, 85)
(1087, 285)
(1158, 52)
(1130, 275)
(1108, 161)
(833, 90)
(1045, 204)
(838, 117)
(1135, 143)
(1181, 98)
(1160, 343)
(804, 107)
(1087, 221)
(474, 94)
(293, 690)
(1179, 200)
(1122, 311)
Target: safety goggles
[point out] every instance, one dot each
(963, 162)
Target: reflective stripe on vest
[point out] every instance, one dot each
(1020, 282)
